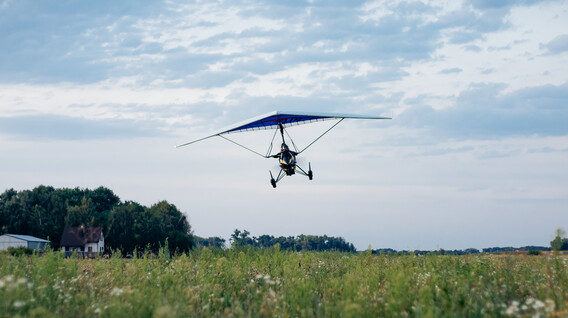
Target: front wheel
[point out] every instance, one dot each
(273, 183)
(310, 175)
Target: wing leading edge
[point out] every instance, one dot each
(273, 119)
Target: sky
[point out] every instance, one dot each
(98, 93)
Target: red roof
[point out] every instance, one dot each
(79, 236)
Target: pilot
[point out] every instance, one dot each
(283, 149)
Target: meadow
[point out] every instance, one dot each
(274, 283)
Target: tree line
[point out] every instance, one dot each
(45, 211)
(299, 243)
(464, 251)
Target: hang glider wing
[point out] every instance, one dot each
(287, 119)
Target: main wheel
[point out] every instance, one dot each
(310, 175)
(273, 183)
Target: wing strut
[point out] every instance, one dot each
(236, 143)
(242, 146)
(271, 142)
(337, 123)
(292, 140)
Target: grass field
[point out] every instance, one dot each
(274, 283)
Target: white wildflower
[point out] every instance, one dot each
(2, 283)
(512, 309)
(19, 303)
(116, 291)
(538, 304)
(530, 301)
(550, 305)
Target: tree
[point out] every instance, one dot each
(169, 218)
(239, 238)
(169, 221)
(121, 234)
(12, 212)
(81, 215)
(212, 242)
(179, 242)
(103, 200)
(560, 242)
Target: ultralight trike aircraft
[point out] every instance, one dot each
(280, 121)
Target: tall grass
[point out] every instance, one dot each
(274, 283)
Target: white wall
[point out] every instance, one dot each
(8, 241)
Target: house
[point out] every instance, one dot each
(87, 241)
(17, 240)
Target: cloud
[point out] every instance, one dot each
(489, 4)
(53, 127)
(483, 112)
(451, 70)
(558, 45)
(203, 60)
(181, 42)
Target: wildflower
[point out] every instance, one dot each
(538, 304)
(19, 303)
(512, 309)
(116, 291)
(550, 305)
(2, 283)
(530, 301)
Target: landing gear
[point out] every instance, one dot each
(274, 181)
(308, 174)
(281, 174)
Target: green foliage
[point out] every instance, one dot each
(277, 283)
(133, 226)
(300, 243)
(18, 251)
(212, 242)
(560, 242)
(45, 211)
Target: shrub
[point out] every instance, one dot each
(17, 251)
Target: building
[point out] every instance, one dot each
(87, 241)
(17, 240)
